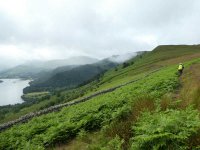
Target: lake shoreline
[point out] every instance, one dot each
(11, 91)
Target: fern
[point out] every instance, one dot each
(170, 129)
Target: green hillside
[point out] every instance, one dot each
(158, 111)
(69, 78)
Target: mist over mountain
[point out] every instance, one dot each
(52, 64)
(122, 58)
(35, 68)
(73, 75)
(69, 77)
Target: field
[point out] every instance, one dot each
(35, 96)
(158, 111)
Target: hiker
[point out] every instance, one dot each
(180, 69)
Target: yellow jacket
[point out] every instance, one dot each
(180, 67)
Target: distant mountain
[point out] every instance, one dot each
(73, 61)
(35, 69)
(72, 76)
(69, 78)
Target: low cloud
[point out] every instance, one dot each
(53, 29)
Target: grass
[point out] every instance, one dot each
(172, 100)
(120, 127)
(112, 107)
(159, 57)
(123, 127)
(170, 130)
(56, 127)
(35, 95)
(190, 92)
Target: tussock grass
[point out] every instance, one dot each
(190, 91)
(187, 95)
(122, 128)
(166, 101)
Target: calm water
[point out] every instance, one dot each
(11, 91)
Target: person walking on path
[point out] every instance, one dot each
(180, 69)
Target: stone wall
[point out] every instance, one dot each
(55, 108)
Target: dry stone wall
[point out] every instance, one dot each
(55, 108)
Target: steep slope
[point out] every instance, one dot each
(159, 57)
(70, 78)
(90, 115)
(136, 68)
(35, 103)
(118, 105)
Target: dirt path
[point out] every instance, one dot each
(189, 91)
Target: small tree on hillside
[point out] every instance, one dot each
(124, 65)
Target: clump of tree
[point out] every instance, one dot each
(125, 64)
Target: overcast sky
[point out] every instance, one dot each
(54, 29)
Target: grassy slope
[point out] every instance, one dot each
(188, 94)
(190, 90)
(159, 57)
(149, 62)
(55, 127)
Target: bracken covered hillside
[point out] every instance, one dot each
(158, 111)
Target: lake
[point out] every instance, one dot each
(11, 91)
